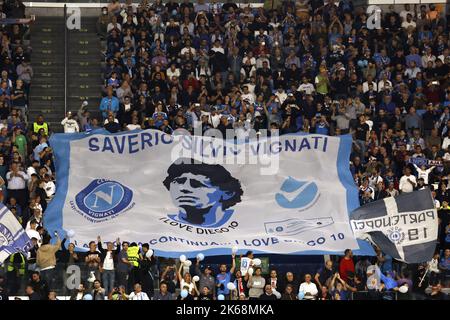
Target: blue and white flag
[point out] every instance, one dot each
(13, 237)
(183, 194)
(404, 227)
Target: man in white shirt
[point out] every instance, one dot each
(32, 232)
(423, 172)
(446, 141)
(408, 23)
(134, 125)
(306, 87)
(214, 117)
(308, 288)
(365, 85)
(107, 263)
(217, 47)
(188, 49)
(17, 185)
(407, 182)
(374, 179)
(33, 169)
(407, 11)
(70, 125)
(281, 95)
(384, 84)
(248, 96)
(412, 71)
(35, 220)
(49, 186)
(138, 294)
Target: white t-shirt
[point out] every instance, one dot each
(108, 263)
(70, 125)
(374, 180)
(31, 171)
(215, 119)
(404, 14)
(281, 96)
(309, 288)
(405, 186)
(307, 88)
(248, 96)
(406, 24)
(437, 203)
(423, 173)
(133, 127)
(138, 296)
(190, 285)
(31, 233)
(50, 188)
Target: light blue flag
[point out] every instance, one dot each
(389, 283)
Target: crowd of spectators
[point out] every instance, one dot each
(313, 66)
(307, 66)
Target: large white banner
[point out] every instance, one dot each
(182, 194)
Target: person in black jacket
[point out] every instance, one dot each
(146, 271)
(31, 259)
(40, 286)
(67, 257)
(32, 295)
(3, 293)
(268, 293)
(108, 263)
(288, 293)
(289, 279)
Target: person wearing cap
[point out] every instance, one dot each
(206, 278)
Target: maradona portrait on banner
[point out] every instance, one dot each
(204, 193)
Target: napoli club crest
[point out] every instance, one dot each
(102, 200)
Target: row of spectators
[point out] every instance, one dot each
(125, 271)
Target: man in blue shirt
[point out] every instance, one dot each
(224, 277)
(39, 148)
(109, 103)
(413, 56)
